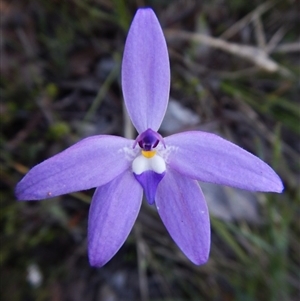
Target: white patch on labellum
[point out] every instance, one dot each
(141, 164)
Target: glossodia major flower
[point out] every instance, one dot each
(166, 169)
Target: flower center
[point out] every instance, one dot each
(148, 154)
(147, 141)
(149, 168)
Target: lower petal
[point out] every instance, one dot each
(183, 210)
(113, 211)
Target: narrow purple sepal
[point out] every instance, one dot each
(183, 210)
(113, 211)
(210, 158)
(149, 181)
(146, 72)
(89, 163)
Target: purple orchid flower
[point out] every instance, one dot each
(167, 169)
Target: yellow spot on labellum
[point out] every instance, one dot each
(148, 154)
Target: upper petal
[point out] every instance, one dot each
(183, 210)
(209, 158)
(113, 212)
(92, 162)
(146, 72)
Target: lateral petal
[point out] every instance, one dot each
(146, 72)
(113, 211)
(183, 210)
(210, 158)
(92, 162)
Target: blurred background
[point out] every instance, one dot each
(235, 72)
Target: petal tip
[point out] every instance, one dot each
(276, 185)
(201, 257)
(20, 194)
(25, 192)
(96, 263)
(280, 187)
(145, 10)
(201, 260)
(98, 258)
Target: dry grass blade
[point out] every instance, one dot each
(259, 32)
(253, 54)
(290, 47)
(276, 38)
(142, 262)
(247, 19)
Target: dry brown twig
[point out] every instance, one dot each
(259, 32)
(289, 47)
(253, 54)
(236, 27)
(276, 38)
(257, 55)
